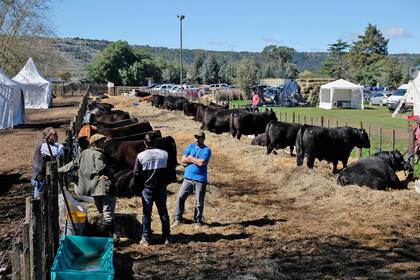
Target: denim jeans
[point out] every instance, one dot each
(187, 187)
(37, 185)
(158, 196)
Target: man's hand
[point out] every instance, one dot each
(104, 178)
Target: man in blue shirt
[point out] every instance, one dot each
(197, 157)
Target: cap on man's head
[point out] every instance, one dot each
(199, 133)
(96, 137)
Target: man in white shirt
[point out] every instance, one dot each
(41, 155)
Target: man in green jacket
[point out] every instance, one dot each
(96, 180)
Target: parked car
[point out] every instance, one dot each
(379, 98)
(393, 101)
(367, 94)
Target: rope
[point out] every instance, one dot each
(11, 242)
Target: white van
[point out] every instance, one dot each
(393, 101)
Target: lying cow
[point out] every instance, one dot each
(376, 172)
(260, 140)
(242, 122)
(330, 144)
(127, 130)
(281, 135)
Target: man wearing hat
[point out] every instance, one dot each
(197, 157)
(95, 179)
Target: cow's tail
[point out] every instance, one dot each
(232, 124)
(300, 151)
(267, 130)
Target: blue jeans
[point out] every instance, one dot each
(187, 188)
(158, 196)
(37, 185)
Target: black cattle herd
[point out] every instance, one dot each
(125, 140)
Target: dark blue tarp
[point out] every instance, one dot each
(287, 95)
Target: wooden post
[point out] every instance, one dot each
(411, 146)
(322, 120)
(35, 240)
(304, 119)
(293, 117)
(26, 255)
(328, 123)
(279, 116)
(16, 262)
(346, 124)
(336, 124)
(285, 116)
(393, 139)
(53, 211)
(312, 121)
(298, 118)
(380, 139)
(369, 136)
(359, 150)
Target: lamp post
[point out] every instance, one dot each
(180, 17)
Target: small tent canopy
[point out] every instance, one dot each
(413, 94)
(12, 104)
(341, 93)
(38, 91)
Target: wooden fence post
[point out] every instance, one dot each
(359, 150)
(16, 261)
(328, 123)
(369, 137)
(336, 124)
(380, 139)
(304, 119)
(285, 116)
(35, 240)
(322, 120)
(312, 120)
(393, 139)
(411, 145)
(298, 118)
(293, 117)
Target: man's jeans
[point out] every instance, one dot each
(158, 196)
(37, 185)
(187, 187)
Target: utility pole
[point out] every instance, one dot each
(180, 17)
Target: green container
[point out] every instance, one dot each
(86, 258)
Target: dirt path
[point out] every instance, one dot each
(16, 152)
(267, 219)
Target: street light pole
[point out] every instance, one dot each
(181, 17)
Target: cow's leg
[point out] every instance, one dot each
(238, 135)
(299, 160)
(291, 151)
(310, 160)
(335, 170)
(233, 132)
(270, 149)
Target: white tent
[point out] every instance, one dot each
(413, 94)
(38, 91)
(12, 104)
(341, 94)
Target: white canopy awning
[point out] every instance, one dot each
(341, 94)
(12, 104)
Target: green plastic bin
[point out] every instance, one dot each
(80, 257)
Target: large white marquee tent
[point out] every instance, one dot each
(12, 104)
(413, 94)
(341, 94)
(38, 90)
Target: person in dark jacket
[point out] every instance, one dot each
(150, 175)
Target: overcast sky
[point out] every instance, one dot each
(239, 25)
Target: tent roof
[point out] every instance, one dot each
(30, 74)
(341, 84)
(6, 80)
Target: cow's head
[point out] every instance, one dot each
(271, 116)
(362, 138)
(398, 162)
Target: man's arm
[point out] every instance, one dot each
(194, 160)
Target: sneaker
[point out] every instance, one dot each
(176, 223)
(115, 238)
(144, 242)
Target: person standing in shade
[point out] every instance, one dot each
(197, 157)
(96, 180)
(43, 154)
(150, 175)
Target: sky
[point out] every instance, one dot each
(233, 25)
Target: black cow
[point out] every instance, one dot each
(216, 120)
(281, 135)
(242, 122)
(201, 108)
(376, 172)
(111, 116)
(190, 108)
(330, 144)
(157, 100)
(106, 125)
(224, 106)
(138, 136)
(174, 103)
(127, 130)
(260, 140)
